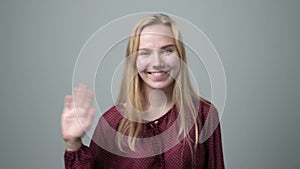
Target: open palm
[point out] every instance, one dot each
(78, 113)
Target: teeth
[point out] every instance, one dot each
(157, 72)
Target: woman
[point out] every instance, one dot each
(158, 117)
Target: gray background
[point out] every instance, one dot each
(258, 42)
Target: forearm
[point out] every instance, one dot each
(80, 159)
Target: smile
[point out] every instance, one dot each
(158, 75)
(158, 72)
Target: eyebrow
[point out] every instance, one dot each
(163, 47)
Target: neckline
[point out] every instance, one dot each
(158, 120)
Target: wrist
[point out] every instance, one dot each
(73, 145)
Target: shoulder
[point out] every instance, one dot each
(207, 108)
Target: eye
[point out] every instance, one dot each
(144, 53)
(167, 51)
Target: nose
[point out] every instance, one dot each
(157, 61)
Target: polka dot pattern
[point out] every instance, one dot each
(208, 155)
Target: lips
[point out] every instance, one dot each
(157, 72)
(158, 75)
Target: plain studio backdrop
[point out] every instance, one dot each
(258, 43)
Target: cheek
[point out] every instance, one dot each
(174, 63)
(141, 64)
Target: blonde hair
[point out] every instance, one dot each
(132, 96)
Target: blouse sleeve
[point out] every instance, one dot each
(80, 159)
(215, 153)
(214, 142)
(92, 157)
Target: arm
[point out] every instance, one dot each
(215, 152)
(80, 159)
(213, 144)
(76, 119)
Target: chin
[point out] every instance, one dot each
(159, 85)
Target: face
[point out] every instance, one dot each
(157, 62)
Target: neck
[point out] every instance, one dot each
(158, 102)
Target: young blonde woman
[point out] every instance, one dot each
(158, 118)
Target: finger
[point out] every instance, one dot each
(87, 104)
(79, 94)
(68, 101)
(82, 85)
(88, 101)
(76, 96)
(89, 93)
(92, 112)
(90, 117)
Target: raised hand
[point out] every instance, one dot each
(77, 116)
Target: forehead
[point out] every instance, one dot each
(156, 36)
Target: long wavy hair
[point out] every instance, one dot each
(132, 96)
